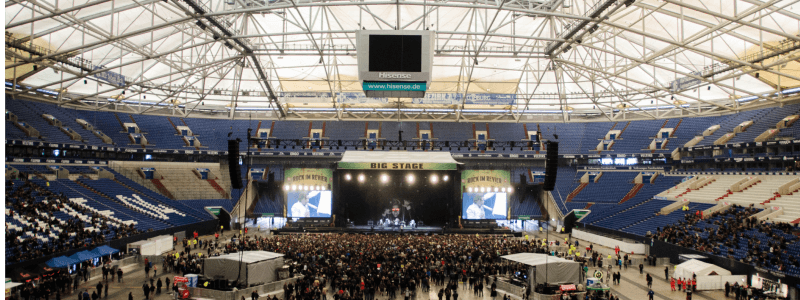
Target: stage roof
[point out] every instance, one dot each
(397, 160)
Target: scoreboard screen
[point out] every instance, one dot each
(395, 53)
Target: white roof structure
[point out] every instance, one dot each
(248, 257)
(686, 269)
(546, 268)
(550, 60)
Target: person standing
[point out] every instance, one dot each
(641, 268)
(649, 281)
(666, 273)
(727, 289)
(650, 294)
(672, 285)
(99, 287)
(105, 290)
(158, 287)
(119, 275)
(146, 291)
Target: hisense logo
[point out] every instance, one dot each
(394, 76)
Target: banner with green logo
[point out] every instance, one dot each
(485, 178)
(309, 177)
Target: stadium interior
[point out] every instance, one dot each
(129, 120)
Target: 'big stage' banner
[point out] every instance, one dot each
(309, 177)
(396, 166)
(485, 178)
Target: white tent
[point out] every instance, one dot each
(709, 276)
(546, 268)
(250, 267)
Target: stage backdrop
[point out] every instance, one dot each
(484, 194)
(313, 185)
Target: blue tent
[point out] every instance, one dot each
(84, 256)
(104, 250)
(61, 262)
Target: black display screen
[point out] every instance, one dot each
(395, 53)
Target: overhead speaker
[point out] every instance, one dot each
(271, 177)
(551, 166)
(233, 164)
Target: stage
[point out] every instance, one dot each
(419, 230)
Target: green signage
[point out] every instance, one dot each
(214, 211)
(396, 166)
(268, 214)
(580, 213)
(523, 217)
(393, 86)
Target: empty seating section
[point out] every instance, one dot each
(574, 138)
(340, 130)
(612, 211)
(141, 190)
(637, 136)
(184, 184)
(528, 207)
(268, 205)
(728, 124)
(569, 135)
(26, 112)
(566, 182)
(652, 223)
(610, 188)
(159, 132)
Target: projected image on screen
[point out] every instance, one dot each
(309, 204)
(477, 206)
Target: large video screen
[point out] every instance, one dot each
(395, 53)
(478, 206)
(309, 204)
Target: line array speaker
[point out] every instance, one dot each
(551, 166)
(233, 164)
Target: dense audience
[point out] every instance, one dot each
(728, 229)
(62, 235)
(367, 266)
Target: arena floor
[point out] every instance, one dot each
(631, 287)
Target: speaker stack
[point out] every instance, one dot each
(233, 164)
(551, 166)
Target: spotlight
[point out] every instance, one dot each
(510, 190)
(503, 189)
(410, 178)
(434, 179)
(294, 187)
(360, 177)
(469, 189)
(384, 178)
(483, 189)
(445, 178)
(286, 187)
(347, 177)
(305, 187)
(496, 189)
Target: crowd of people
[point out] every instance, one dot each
(727, 229)
(62, 235)
(367, 266)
